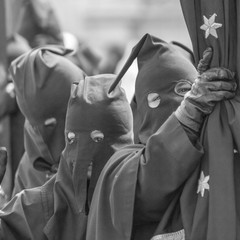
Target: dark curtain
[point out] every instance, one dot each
(210, 199)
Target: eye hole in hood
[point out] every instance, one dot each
(153, 100)
(182, 87)
(50, 122)
(71, 137)
(97, 136)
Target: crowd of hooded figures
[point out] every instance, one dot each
(95, 164)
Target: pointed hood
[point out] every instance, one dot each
(164, 76)
(98, 123)
(94, 136)
(42, 79)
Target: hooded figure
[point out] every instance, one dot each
(170, 75)
(42, 79)
(138, 188)
(98, 123)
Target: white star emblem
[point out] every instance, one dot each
(203, 184)
(210, 26)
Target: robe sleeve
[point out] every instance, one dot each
(167, 161)
(138, 181)
(23, 217)
(192, 135)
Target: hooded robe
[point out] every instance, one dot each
(139, 185)
(97, 124)
(42, 80)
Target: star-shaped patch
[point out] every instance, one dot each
(203, 184)
(210, 26)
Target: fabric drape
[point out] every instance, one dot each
(209, 201)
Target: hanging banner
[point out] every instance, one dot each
(210, 200)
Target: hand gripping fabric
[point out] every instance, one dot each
(210, 198)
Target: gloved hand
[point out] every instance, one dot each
(210, 87)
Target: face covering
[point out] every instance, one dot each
(164, 76)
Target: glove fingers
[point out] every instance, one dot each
(217, 86)
(219, 96)
(204, 63)
(207, 102)
(216, 74)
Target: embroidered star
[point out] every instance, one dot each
(203, 184)
(210, 26)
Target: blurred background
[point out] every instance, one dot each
(115, 22)
(103, 22)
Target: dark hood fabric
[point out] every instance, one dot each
(105, 126)
(97, 125)
(139, 187)
(42, 79)
(186, 51)
(214, 213)
(39, 23)
(164, 76)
